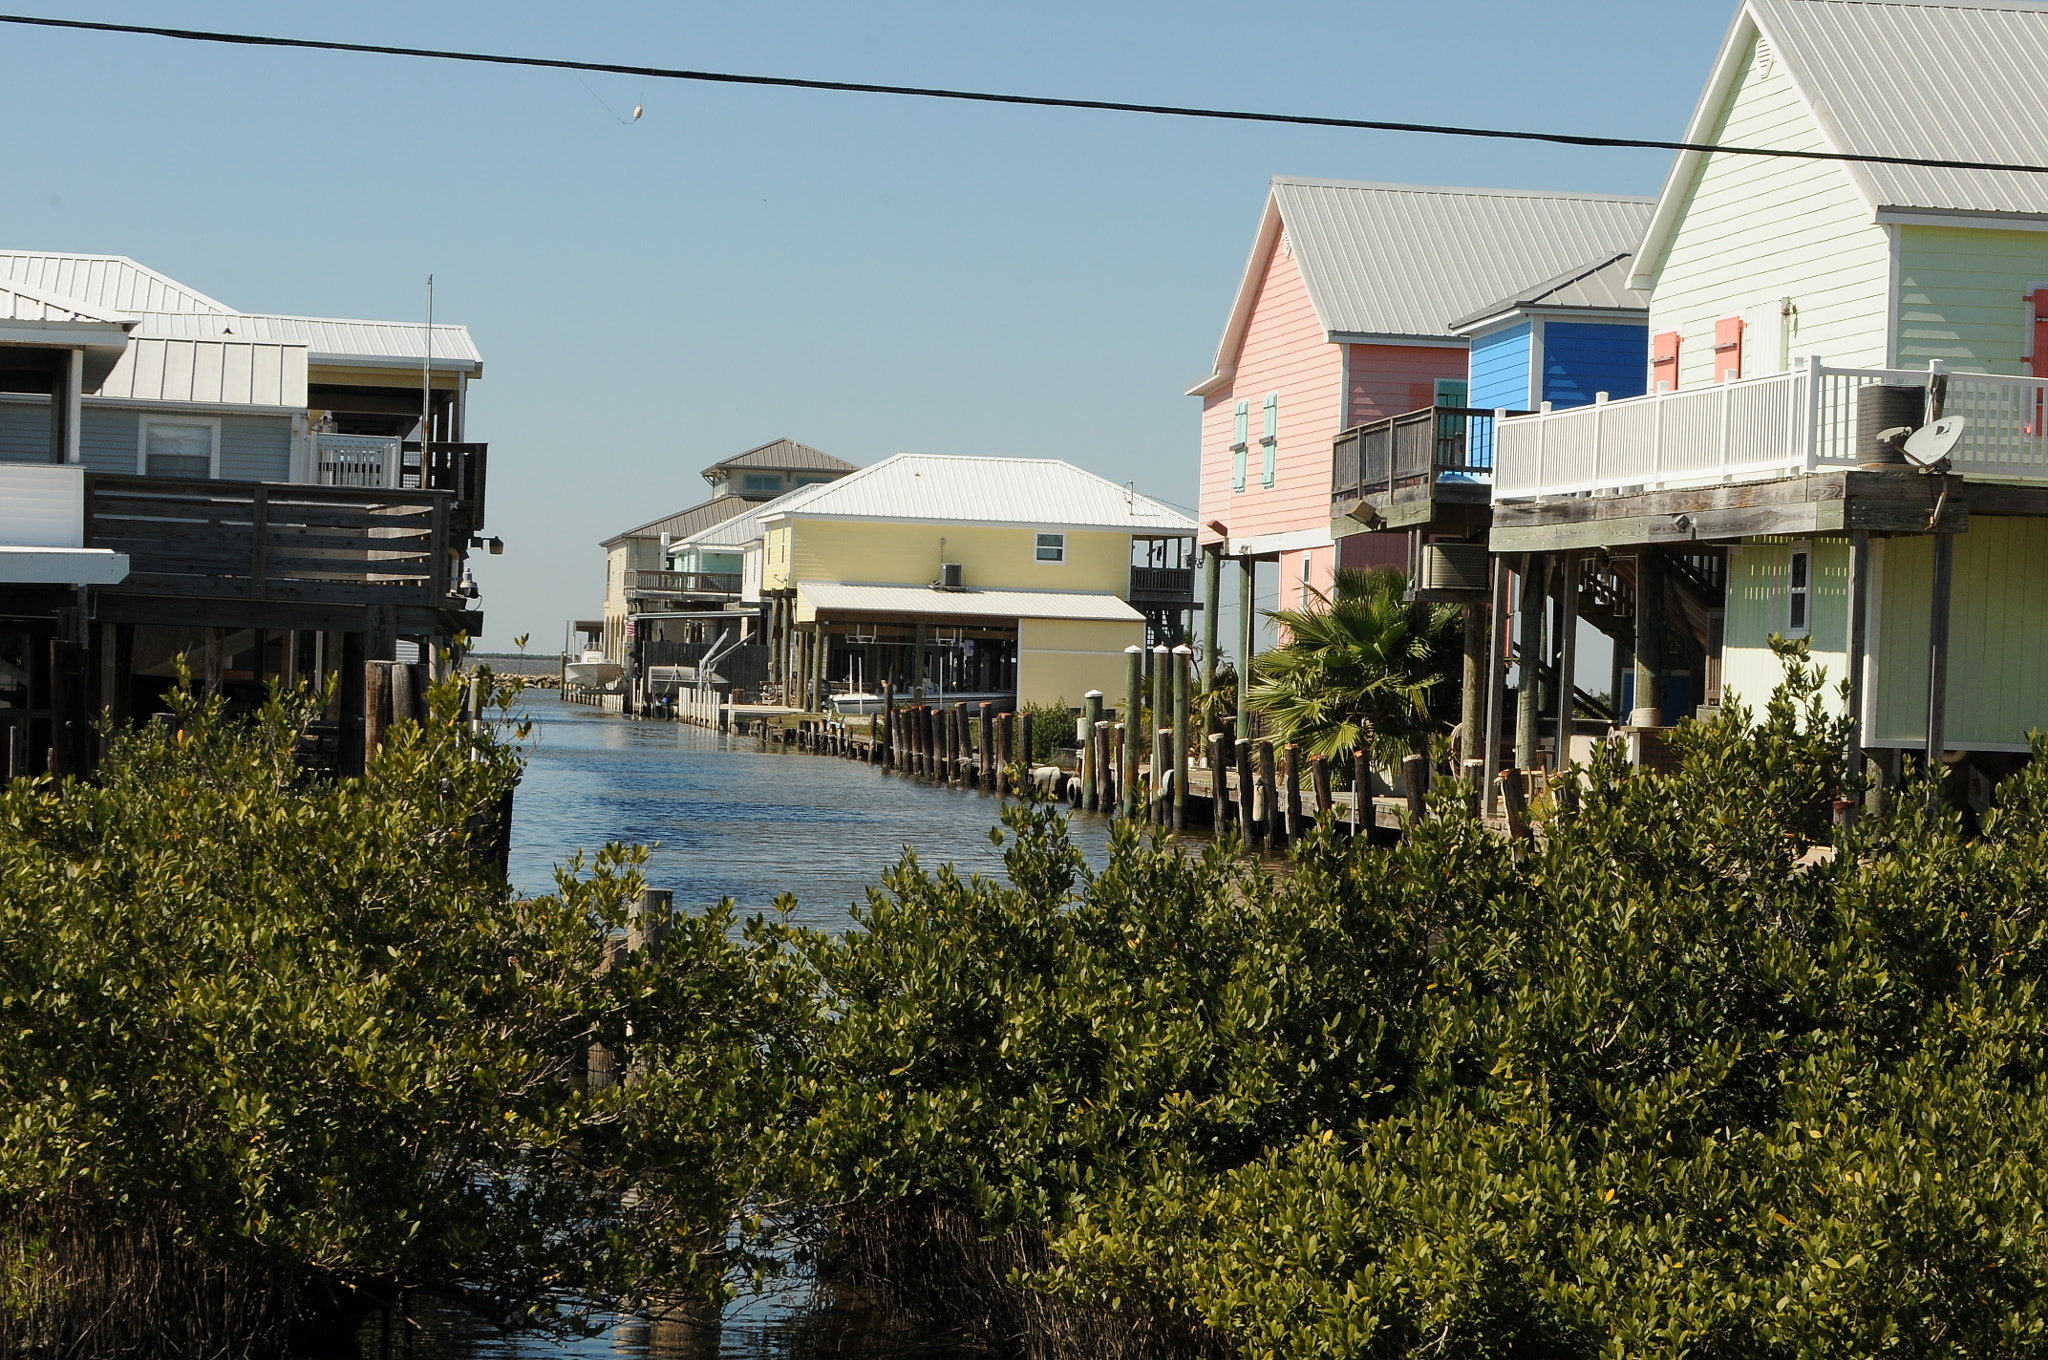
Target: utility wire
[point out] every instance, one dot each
(984, 97)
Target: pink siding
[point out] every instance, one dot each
(1387, 380)
(1284, 351)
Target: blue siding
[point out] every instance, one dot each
(256, 448)
(1581, 358)
(106, 439)
(24, 432)
(1500, 370)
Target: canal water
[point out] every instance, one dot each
(727, 819)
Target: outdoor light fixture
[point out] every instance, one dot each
(497, 545)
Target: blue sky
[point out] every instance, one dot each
(864, 273)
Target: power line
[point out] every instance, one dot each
(985, 97)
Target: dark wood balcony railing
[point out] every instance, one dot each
(682, 583)
(1435, 444)
(457, 468)
(1162, 585)
(271, 541)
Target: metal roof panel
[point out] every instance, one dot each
(948, 489)
(973, 604)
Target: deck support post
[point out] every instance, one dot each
(1182, 656)
(1212, 593)
(1649, 705)
(1937, 661)
(1496, 686)
(1162, 706)
(1529, 695)
(1859, 648)
(1246, 570)
(1472, 699)
(1091, 718)
(1247, 806)
(1134, 700)
(1567, 654)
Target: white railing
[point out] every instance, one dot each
(1756, 429)
(359, 460)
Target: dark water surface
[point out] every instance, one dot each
(734, 821)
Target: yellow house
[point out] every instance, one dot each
(1011, 579)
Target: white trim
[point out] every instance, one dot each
(184, 409)
(787, 517)
(1536, 339)
(1987, 221)
(64, 334)
(62, 566)
(74, 395)
(175, 418)
(1893, 249)
(1264, 545)
(1073, 651)
(1405, 341)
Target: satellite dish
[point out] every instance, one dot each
(1929, 445)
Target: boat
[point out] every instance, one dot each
(592, 671)
(847, 705)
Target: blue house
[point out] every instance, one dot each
(1563, 341)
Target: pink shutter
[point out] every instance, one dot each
(1727, 348)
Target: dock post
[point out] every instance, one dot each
(1529, 698)
(376, 703)
(1496, 679)
(1649, 708)
(1024, 743)
(1134, 701)
(1415, 783)
(1101, 789)
(1003, 749)
(1162, 708)
(1219, 785)
(1938, 608)
(1183, 655)
(1246, 636)
(1212, 596)
(1274, 824)
(1517, 802)
(1567, 643)
(1290, 765)
(1247, 806)
(1361, 795)
(1319, 780)
(1091, 763)
(986, 775)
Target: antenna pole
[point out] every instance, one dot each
(427, 384)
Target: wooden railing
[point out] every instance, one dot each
(1414, 449)
(682, 583)
(269, 541)
(1162, 585)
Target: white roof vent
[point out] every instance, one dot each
(1763, 57)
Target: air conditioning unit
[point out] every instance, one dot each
(1455, 566)
(949, 576)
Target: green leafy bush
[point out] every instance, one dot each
(277, 1049)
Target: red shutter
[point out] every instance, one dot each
(2037, 362)
(1664, 362)
(1727, 348)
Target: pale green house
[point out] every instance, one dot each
(1781, 289)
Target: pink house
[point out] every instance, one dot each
(1342, 318)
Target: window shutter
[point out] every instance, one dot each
(1664, 362)
(1243, 430)
(1272, 415)
(1237, 468)
(2037, 333)
(1452, 392)
(1244, 418)
(1267, 462)
(1727, 348)
(1269, 446)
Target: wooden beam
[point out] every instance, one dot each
(1937, 660)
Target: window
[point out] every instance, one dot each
(179, 448)
(1799, 592)
(763, 481)
(1051, 548)
(1244, 417)
(1307, 563)
(812, 481)
(1269, 446)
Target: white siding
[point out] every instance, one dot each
(1754, 228)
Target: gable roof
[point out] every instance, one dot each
(683, 523)
(948, 489)
(784, 455)
(1393, 262)
(1601, 286)
(1943, 79)
(103, 283)
(743, 529)
(329, 340)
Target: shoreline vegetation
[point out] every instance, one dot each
(1691, 1072)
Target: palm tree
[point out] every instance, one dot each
(1362, 669)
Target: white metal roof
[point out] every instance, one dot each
(1399, 261)
(839, 597)
(950, 489)
(330, 340)
(213, 372)
(103, 283)
(743, 529)
(1601, 286)
(1954, 80)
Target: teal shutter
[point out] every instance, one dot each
(1244, 417)
(1270, 445)
(1452, 392)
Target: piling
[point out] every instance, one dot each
(1319, 780)
(1091, 762)
(1516, 801)
(1415, 783)
(376, 701)
(1247, 793)
(1004, 757)
(1101, 790)
(1361, 795)
(986, 775)
(1134, 699)
(1269, 800)
(1183, 657)
(1219, 785)
(1161, 736)
(1024, 747)
(1290, 767)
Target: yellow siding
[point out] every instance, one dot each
(1754, 229)
(1961, 296)
(775, 558)
(1758, 604)
(1059, 661)
(991, 558)
(1998, 636)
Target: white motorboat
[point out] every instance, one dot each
(847, 705)
(592, 671)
